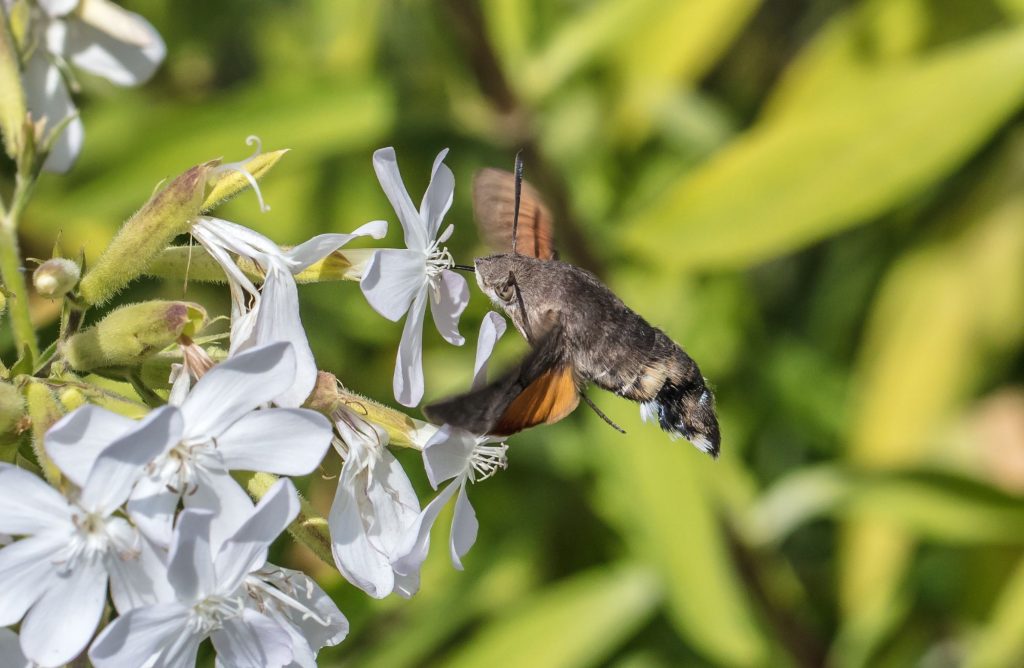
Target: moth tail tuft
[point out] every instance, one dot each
(688, 411)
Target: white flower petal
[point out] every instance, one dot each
(246, 549)
(464, 527)
(491, 329)
(438, 197)
(219, 493)
(279, 320)
(10, 650)
(27, 570)
(408, 379)
(252, 640)
(134, 638)
(28, 505)
(393, 500)
(236, 386)
(121, 463)
(356, 557)
(55, 8)
(286, 441)
(323, 245)
(453, 296)
(407, 584)
(60, 624)
(152, 506)
(190, 560)
(47, 96)
(394, 277)
(120, 46)
(75, 441)
(386, 165)
(139, 579)
(307, 592)
(447, 454)
(412, 552)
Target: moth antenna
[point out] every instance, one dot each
(519, 190)
(601, 414)
(464, 267)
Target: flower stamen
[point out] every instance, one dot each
(486, 460)
(240, 168)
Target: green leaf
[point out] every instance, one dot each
(808, 175)
(576, 622)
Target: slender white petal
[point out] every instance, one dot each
(10, 650)
(60, 624)
(26, 570)
(236, 386)
(120, 465)
(308, 593)
(252, 640)
(152, 506)
(120, 46)
(135, 638)
(246, 549)
(394, 277)
(138, 579)
(452, 298)
(447, 454)
(393, 499)
(407, 584)
(55, 8)
(219, 493)
(408, 379)
(464, 527)
(323, 245)
(279, 320)
(286, 441)
(362, 563)
(491, 329)
(413, 549)
(437, 199)
(386, 165)
(47, 96)
(190, 560)
(75, 441)
(28, 505)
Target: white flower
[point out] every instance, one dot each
(401, 280)
(222, 431)
(271, 313)
(463, 457)
(373, 507)
(56, 577)
(96, 36)
(214, 587)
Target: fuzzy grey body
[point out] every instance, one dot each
(605, 341)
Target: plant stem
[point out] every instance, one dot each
(12, 272)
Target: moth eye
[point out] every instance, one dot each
(505, 292)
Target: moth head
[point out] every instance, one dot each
(496, 276)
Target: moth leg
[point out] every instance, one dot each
(601, 414)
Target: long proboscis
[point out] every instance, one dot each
(519, 190)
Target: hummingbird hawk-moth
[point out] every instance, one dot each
(579, 332)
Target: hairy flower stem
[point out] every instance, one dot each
(309, 528)
(12, 272)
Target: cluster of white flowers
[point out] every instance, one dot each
(140, 543)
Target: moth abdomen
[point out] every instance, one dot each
(687, 410)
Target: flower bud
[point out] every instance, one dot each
(12, 411)
(226, 181)
(12, 95)
(167, 214)
(56, 277)
(44, 410)
(129, 335)
(402, 430)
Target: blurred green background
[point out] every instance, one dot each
(823, 201)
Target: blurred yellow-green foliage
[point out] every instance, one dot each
(822, 200)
